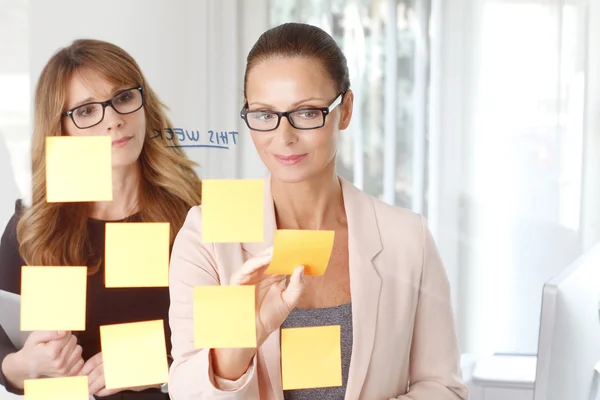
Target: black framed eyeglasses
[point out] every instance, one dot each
(303, 118)
(91, 114)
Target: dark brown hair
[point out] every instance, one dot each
(301, 40)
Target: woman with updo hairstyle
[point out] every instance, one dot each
(385, 285)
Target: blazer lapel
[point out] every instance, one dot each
(364, 243)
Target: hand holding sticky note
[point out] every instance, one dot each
(292, 248)
(78, 168)
(311, 357)
(134, 354)
(53, 298)
(71, 388)
(232, 211)
(224, 317)
(137, 254)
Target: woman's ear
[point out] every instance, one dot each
(346, 110)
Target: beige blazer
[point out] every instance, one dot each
(403, 324)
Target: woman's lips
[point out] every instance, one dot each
(121, 142)
(290, 160)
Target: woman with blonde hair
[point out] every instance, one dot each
(94, 88)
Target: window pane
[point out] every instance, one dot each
(524, 167)
(362, 29)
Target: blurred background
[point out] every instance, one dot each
(483, 115)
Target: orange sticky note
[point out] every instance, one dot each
(134, 354)
(232, 211)
(224, 317)
(311, 357)
(78, 168)
(70, 388)
(53, 298)
(292, 248)
(137, 254)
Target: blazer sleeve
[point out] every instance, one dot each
(435, 356)
(10, 257)
(191, 378)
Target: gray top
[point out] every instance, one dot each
(340, 315)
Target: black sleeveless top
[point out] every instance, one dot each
(104, 306)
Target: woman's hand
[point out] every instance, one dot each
(274, 302)
(48, 354)
(94, 369)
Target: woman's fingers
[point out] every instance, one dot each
(76, 367)
(269, 280)
(252, 270)
(91, 365)
(66, 351)
(255, 264)
(107, 392)
(96, 380)
(41, 337)
(252, 277)
(291, 295)
(265, 252)
(75, 362)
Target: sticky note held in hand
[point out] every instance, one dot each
(292, 248)
(224, 317)
(53, 298)
(134, 354)
(78, 168)
(232, 211)
(70, 388)
(137, 254)
(311, 357)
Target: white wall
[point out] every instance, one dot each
(590, 218)
(190, 52)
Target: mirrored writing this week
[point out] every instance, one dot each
(194, 138)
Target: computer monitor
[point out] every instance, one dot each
(569, 343)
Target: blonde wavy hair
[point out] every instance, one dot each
(55, 234)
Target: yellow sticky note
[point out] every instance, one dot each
(224, 316)
(311, 357)
(78, 168)
(134, 354)
(53, 298)
(292, 248)
(137, 254)
(232, 211)
(70, 388)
